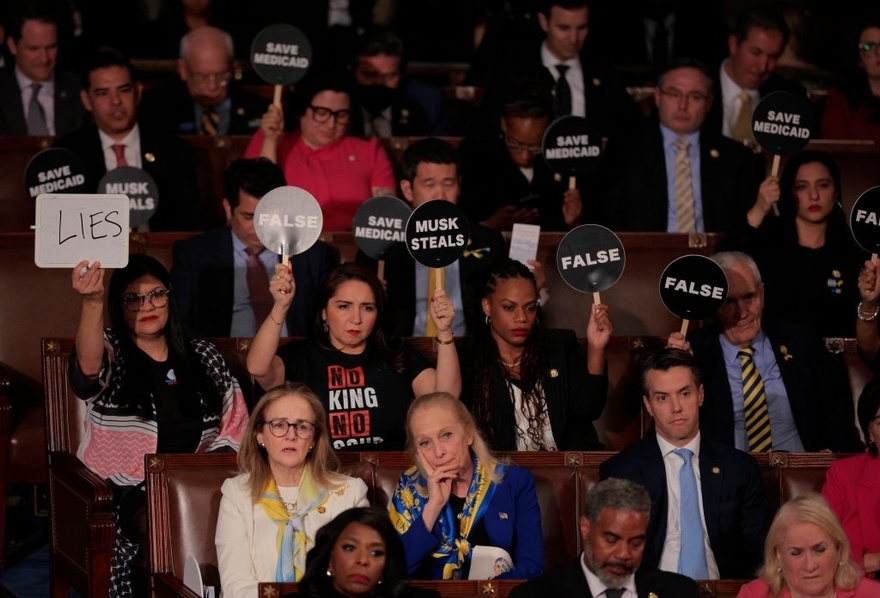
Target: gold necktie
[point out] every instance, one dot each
(742, 129)
(433, 275)
(685, 214)
(210, 120)
(755, 404)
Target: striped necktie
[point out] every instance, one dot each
(685, 214)
(755, 404)
(210, 122)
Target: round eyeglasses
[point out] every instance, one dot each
(279, 428)
(158, 299)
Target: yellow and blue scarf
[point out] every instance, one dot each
(292, 543)
(410, 498)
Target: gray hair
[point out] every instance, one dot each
(227, 40)
(730, 259)
(617, 494)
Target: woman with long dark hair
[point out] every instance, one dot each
(529, 387)
(147, 389)
(364, 374)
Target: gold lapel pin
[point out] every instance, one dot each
(150, 157)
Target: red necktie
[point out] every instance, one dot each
(258, 286)
(119, 150)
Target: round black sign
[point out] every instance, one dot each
(569, 145)
(139, 186)
(379, 224)
(437, 233)
(693, 287)
(864, 220)
(782, 122)
(281, 54)
(55, 170)
(288, 220)
(590, 258)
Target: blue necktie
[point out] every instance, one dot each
(692, 558)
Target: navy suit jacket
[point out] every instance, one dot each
(816, 384)
(635, 181)
(734, 501)
(570, 581)
(168, 159)
(203, 278)
(69, 110)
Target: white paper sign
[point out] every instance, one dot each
(488, 562)
(524, 242)
(74, 227)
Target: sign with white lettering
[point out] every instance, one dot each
(139, 186)
(288, 220)
(693, 287)
(570, 147)
(379, 224)
(281, 54)
(864, 220)
(70, 228)
(590, 258)
(437, 233)
(782, 122)
(55, 170)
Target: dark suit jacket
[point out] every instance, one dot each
(400, 274)
(816, 384)
(168, 159)
(171, 109)
(69, 110)
(570, 581)
(203, 278)
(635, 182)
(408, 117)
(734, 502)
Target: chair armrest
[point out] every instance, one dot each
(5, 405)
(81, 481)
(166, 585)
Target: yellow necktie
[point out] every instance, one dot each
(742, 129)
(433, 275)
(755, 404)
(685, 214)
(210, 120)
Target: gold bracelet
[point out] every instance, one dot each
(449, 342)
(273, 320)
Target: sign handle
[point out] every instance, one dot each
(438, 278)
(596, 299)
(874, 258)
(774, 171)
(380, 271)
(277, 97)
(684, 327)
(572, 182)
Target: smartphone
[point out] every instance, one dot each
(533, 200)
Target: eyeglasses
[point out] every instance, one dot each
(302, 428)
(322, 115)
(868, 47)
(222, 78)
(517, 148)
(692, 96)
(158, 299)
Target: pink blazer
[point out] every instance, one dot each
(852, 488)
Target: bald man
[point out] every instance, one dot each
(205, 101)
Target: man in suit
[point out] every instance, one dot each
(641, 172)
(613, 531)
(111, 94)
(430, 171)
(206, 99)
(209, 270)
(806, 391)
(35, 97)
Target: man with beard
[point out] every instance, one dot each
(613, 532)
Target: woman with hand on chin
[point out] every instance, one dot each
(287, 488)
(364, 374)
(459, 498)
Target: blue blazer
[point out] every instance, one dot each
(512, 520)
(734, 502)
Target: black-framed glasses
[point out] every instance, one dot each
(677, 94)
(134, 302)
(868, 47)
(279, 427)
(322, 114)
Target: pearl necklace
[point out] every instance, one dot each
(511, 365)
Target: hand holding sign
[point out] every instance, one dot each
(570, 147)
(590, 258)
(782, 123)
(693, 286)
(864, 220)
(281, 55)
(378, 225)
(288, 220)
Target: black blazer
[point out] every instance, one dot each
(734, 502)
(69, 110)
(635, 183)
(570, 581)
(168, 159)
(203, 278)
(816, 384)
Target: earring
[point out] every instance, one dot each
(328, 572)
(488, 320)
(262, 445)
(324, 326)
